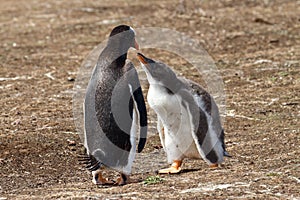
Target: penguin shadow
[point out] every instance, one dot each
(142, 179)
(183, 171)
(135, 180)
(189, 170)
(115, 184)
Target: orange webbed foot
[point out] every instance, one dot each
(174, 169)
(99, 180)
(213, 166)
(122, 180)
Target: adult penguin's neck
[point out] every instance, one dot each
(116, 53)
(120, 61)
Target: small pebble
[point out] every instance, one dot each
(71, 79)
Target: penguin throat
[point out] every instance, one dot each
(120, 61)
(117, 49)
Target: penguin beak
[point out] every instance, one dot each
(142, 58)
(147, 62)
(136, 45)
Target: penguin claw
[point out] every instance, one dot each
(122, 180)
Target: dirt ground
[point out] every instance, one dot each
(255, 45)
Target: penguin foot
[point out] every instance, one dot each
(174, 169)
(213, 166)
(122, 180)
(99, 180)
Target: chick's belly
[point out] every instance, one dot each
(180, 145)
(179, 135)
(192, 152)
(159, 100)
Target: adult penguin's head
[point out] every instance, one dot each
(125, 35)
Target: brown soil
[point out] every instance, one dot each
(256, 47)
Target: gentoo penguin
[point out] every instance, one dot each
(188, 118)
(114, 110)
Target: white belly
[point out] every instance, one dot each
(177, 140)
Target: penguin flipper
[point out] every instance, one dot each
(139, 98)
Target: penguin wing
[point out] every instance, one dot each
(209, 122)
(205, 100)
(209, 105)
(138, 97)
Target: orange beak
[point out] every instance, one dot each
(141, 58)
(136, 45)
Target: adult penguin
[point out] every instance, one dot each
(114, 110)
(188, 118)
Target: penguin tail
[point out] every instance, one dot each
(223, 145)
(90, 162)
(227, 154)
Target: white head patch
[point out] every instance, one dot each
(132, 30)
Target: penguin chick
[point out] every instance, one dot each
(188, 118)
